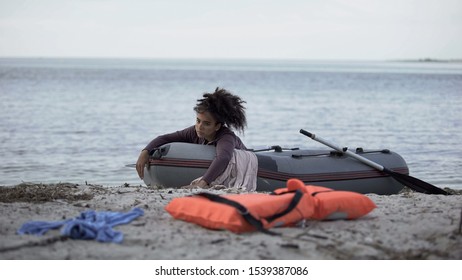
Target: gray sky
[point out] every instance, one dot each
(293, 29)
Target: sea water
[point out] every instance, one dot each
(84, 120)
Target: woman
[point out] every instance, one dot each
(216, 113)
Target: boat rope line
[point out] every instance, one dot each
(275, 148)
(181, 162)
(284, 176)
(341, 154)
(331, 176)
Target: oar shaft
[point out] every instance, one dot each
(413, 183)
(335, 147)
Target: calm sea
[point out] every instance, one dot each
(83, 120)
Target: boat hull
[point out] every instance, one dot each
(176, 164)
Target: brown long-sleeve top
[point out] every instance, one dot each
(225, 142)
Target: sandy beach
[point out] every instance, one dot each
(405, 226)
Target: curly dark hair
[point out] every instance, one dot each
(227, 108)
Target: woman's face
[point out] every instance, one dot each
(206, 126)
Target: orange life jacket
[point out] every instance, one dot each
(332, 204)
(242, 212)
(257, 211)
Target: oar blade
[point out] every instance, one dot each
(414, 183)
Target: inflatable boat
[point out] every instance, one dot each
(176, 164)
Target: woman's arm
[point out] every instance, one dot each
(185, 135)
(224, 152)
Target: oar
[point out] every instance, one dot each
(413, 183)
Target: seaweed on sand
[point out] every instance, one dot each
(39, 193)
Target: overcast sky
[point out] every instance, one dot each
(293, 29)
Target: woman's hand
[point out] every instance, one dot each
(202, 184)
(198, 183)
(142, 161)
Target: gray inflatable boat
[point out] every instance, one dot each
(177, 164)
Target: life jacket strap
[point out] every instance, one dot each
(248, 216)
(293, 203)
(241, 209)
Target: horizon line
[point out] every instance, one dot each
(424, 59)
